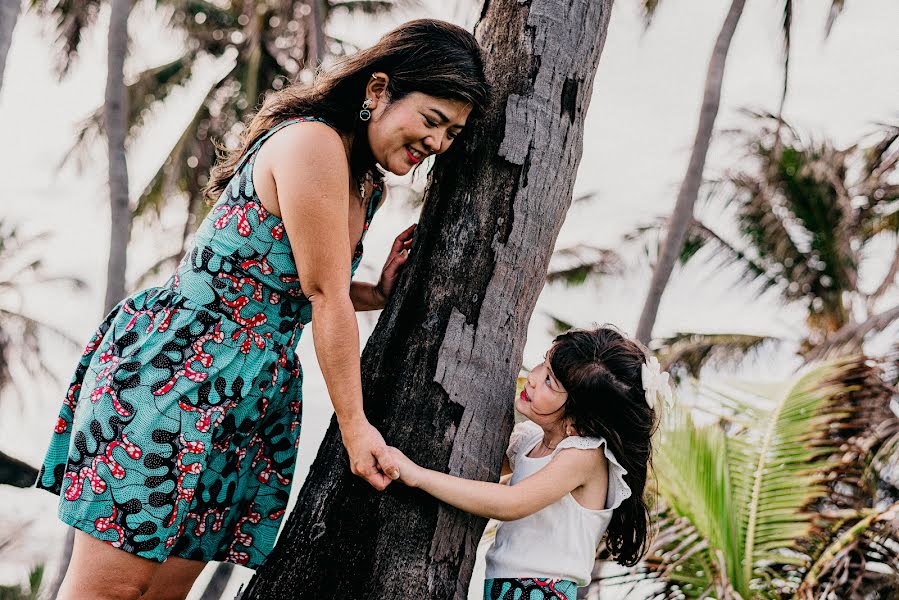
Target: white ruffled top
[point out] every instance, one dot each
(559, 541)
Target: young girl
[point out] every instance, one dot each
(579, 467)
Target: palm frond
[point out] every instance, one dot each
(177, 170)
(648, 10)
(694, 480)
(726, 253)
(874, 530)
(576, 264)
(795, 211)
(688, 352)
(149, 86)
(849, 338)
(70, 19)
(836, 8)
(787, 33)
(559, 325)
(744, 486)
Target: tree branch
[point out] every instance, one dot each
(854, 333)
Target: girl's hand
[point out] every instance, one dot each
(410, 473)
(397, 258)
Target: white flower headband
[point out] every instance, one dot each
(655, 382)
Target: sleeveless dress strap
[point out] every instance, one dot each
(375, 201)
(258, 144)
(618, 489)
(523, 438)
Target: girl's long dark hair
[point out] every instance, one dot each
(428, 56)
(601, 371)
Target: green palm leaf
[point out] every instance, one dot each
(746, 485)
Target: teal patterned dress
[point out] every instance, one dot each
(178, 433)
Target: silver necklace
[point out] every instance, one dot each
(548, 447)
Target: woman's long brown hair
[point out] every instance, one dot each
(428, 56)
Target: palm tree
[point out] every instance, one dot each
(259, 46)
(115, 113)
(681, 217)
(748, 505)
(808, 216)
(21, 334)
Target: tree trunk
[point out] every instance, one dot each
(315, 40)
(116, 117)
(9, 14)
(440, 367)
(15, 472)
(219, 581)
(680, 220)
(115, 111)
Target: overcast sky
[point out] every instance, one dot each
(638, 133)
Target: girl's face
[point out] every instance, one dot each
(543, 397)
(404, 132)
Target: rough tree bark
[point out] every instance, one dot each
(439, 369)
(682, 216)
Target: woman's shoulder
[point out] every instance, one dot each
(304, 154)
(306, 136)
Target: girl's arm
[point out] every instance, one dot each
(568, 470)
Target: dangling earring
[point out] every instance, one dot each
(365, 114)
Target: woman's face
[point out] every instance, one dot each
(543, 397)
(404, 132)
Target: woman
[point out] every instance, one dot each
(177, 440)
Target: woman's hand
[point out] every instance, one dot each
(370, 457)
(397, 258)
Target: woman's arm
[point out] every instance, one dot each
(309, 167)
(568, 470)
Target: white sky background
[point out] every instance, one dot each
(638, 135)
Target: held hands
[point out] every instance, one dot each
(397, 258)
(409, 472)
(370, 458)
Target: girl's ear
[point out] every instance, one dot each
(571, 429)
